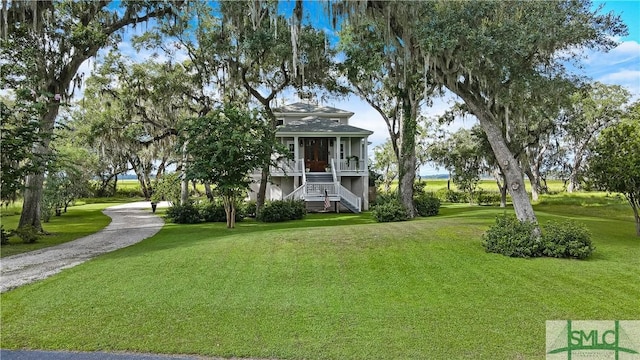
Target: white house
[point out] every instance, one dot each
(329, 159)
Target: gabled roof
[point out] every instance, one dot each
(313, 124)
(303, 108)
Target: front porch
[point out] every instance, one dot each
(344, 167)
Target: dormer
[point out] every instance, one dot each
(299, 111)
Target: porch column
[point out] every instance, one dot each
(295, 152)
(337, 155)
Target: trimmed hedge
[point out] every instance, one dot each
(514, 238)
(567, 240)
(282, 210)
(390, 211)
(426, 204)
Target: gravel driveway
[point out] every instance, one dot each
(130, 223)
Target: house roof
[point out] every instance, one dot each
(311, 124)
(303, 108)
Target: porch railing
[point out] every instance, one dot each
(351, 165)
(288, 167)
(318, 189)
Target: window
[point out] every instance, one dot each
(342, 151)
(280, 122)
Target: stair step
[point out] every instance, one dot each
(319, 177)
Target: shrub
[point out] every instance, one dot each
(427, 204)
(566, 240)
(28, 234)
(512, 237)
(249, 208)
(482, 197)
(183, 214)
(214, 212)
(4, 236)
(452, 196)
(385, 197)
(389, 212)
(282, 210)
(128, 193)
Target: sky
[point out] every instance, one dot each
(619, 66)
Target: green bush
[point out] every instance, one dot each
(566, 240)
(385, 197)
(390, 212)
(249, 208)
(282, 210)
(183, 214)
(4, 236)
(128, 193)
(28, 234)
(482, 197)
(426, 204)
(214, 212)
(512, 237)
(452, 196)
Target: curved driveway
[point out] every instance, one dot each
(130, 223)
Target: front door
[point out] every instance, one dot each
(316, 153)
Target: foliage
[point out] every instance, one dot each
(213, 211)
(167, 188)
(385, 197)
(426, 204)
(282, 210)
(452, 196)
(593, 108)
(615, 161)
(461, 154)
(224, 147)
(19, 124)
(4, 235)
(47, 42)
(390, 211)
(566, 240)
(28, 234)
(184, 214)
(512, 237)
(250, 208)
(483, 197)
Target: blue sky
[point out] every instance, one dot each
(619, 66)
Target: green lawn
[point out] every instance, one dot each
(332, 287)
(79, 221)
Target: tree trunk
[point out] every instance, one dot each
(184, 184)
(535, 183)
(634, 201)
(407, 158)
(502, 187)
(262, 191)
(574, 182)
(207, 190)
(508, 164)
(34, 183)
(30, 215)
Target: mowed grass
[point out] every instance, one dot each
(77, 222)
(334, 286)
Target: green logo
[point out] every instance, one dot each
(573, 340)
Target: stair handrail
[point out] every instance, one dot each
(304, 172)
(333, 171)
(350, 197)
(296, 194)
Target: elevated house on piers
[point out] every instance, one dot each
(329, 159)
